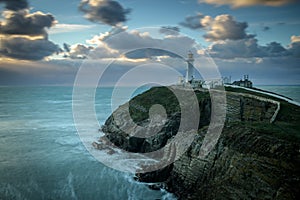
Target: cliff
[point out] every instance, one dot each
(257, 155)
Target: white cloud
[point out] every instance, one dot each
(294, 47)
(140, 44)
(295, 38)
(103, 36)
(65, 28)
(81, 51)
(224, 27)
(247, 48)
(230, 49)
(245, 3)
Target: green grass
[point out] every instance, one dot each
(157, 95)
(286, 125)
(242, 90)
(281, 130)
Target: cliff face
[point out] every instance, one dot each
(253, 159)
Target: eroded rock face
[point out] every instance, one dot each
(245, 164)
(253, 159)
(124, 129)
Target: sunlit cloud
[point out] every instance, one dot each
(67, 28)
(245, 3)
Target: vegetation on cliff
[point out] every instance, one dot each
(253, 159)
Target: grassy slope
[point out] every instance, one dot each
(286, 126)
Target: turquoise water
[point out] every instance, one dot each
(291, 91)
(42, 157)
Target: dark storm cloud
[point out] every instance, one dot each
(169, 30)
(23, 23)
(15, 4)
(27, 49)
(107, 11)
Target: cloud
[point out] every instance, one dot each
(245, 3)
(66, 28)
(266, 28)
(295, 38)
(274, 49)
(96, 48)
(224, 27)
(104, 36)
(38, 72)
(24, 23)
(294, 47)
(170, 30)
(249, 48)
(26, 48)
(105, 11)
(126, 40)
(15, 4)
(142, 43)
(149, 53)
(230, 49)
(66, 47)
(81, 51)
(125, 44)
(23, 34)
(194, 22)
(270, 71)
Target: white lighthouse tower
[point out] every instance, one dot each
(190, 68)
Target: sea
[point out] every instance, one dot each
(42, 156)
(290, 91)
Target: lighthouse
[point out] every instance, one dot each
(190, 68)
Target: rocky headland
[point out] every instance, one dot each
(257, 155)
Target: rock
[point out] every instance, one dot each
(253, 159)
(111, 151)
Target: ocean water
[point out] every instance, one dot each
(291, 91)
(41, 154)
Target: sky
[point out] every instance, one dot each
(47, 42)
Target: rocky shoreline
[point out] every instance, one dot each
(254, 158)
